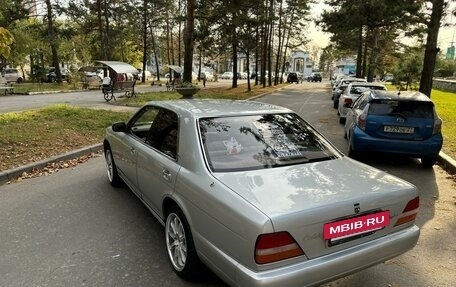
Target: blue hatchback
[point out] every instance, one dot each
(395, 122)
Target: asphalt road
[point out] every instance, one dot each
(74, 229)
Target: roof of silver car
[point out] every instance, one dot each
(214, 108)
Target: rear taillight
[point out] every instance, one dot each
(274, 247)
(410, 211)
(437, 125)
(347, 101)
(361, 121)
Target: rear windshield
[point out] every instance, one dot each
(406, 109)
(358, 90)
(261, 141)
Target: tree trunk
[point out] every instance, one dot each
(53, 41)
(102, 53)
(359, 58)
(431, 51)
(235, 58)
(179, 35)
(144, 60)
(154, 48)
(188, 41)
(373, 56)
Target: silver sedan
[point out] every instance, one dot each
(256, 194)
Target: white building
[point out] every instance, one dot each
(301, 62)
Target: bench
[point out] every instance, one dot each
(5, 86)
(172, 86)
(126, 87)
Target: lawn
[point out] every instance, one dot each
(39, 134)
(445, 103)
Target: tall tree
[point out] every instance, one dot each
(188, 41)
(53, 40)
(430, 53)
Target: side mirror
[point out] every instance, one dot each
(119, 127)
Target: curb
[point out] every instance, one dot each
(447, 163)
(11, 174)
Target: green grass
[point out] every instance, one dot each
(445, 104)
(37, 134)
(26, 88)
(239, 93)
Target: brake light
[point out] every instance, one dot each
(437, 126)
(274, 247)
(347, 101)
(361, 121)
(410, 211)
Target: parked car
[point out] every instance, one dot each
(314, 77)
(148, 75)
(51, 76)
(402, 123)
(227, 76)
(257, 194)
(12, 75)
(339, 89)
(292, 78)
(351, 93)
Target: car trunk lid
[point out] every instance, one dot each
(302, 199)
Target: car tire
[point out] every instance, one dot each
(335, 103)
(341, 120)
(179, 245)
(19, 80)
(428, 162)
(113, 175)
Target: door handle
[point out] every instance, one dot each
(166, 175)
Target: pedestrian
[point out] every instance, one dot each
(204, 79)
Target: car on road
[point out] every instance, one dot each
(257, 194)
(292, 78)
(403, 123)
(351, 93)
(314, 77)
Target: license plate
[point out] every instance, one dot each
(354, 226)
(399, 130)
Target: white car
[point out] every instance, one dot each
(339, 89)
(351, 93)
(148, 75)
(12, 75)
(227, 76)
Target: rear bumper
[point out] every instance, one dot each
(335, 265)
(430, 147)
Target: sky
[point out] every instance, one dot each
(447, 34)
